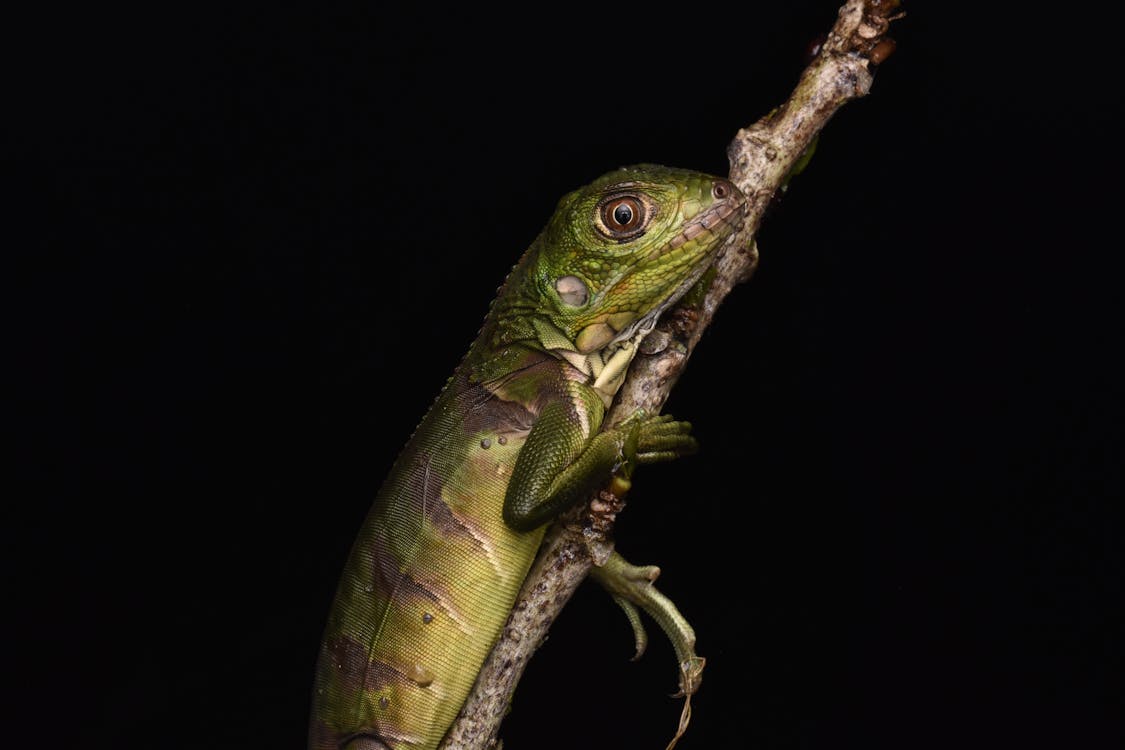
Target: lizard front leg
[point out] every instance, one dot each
(565, 458)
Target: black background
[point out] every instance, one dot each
(251, 244)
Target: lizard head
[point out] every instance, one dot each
(621, 250)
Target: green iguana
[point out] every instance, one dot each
(513, 440)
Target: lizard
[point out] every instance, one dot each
(515, 438)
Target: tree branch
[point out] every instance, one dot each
(762, 157)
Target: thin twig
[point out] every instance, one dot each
(762, 157)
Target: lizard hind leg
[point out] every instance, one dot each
(631, 586)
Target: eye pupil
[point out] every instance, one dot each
(623, 214)
(622, 217)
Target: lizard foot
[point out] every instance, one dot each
(631, 586)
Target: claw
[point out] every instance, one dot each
(691, 675)
(640, 637)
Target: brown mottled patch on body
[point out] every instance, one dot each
(356, 672)
(441, 517)
(348, 659)
(486, 411)
(405, 589)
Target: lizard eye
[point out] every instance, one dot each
(621, 217)
(571, 291)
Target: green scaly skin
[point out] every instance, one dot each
(512, 441)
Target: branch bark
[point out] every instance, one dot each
(762, 156)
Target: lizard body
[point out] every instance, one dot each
(513, 439)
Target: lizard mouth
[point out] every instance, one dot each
(716, 218)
